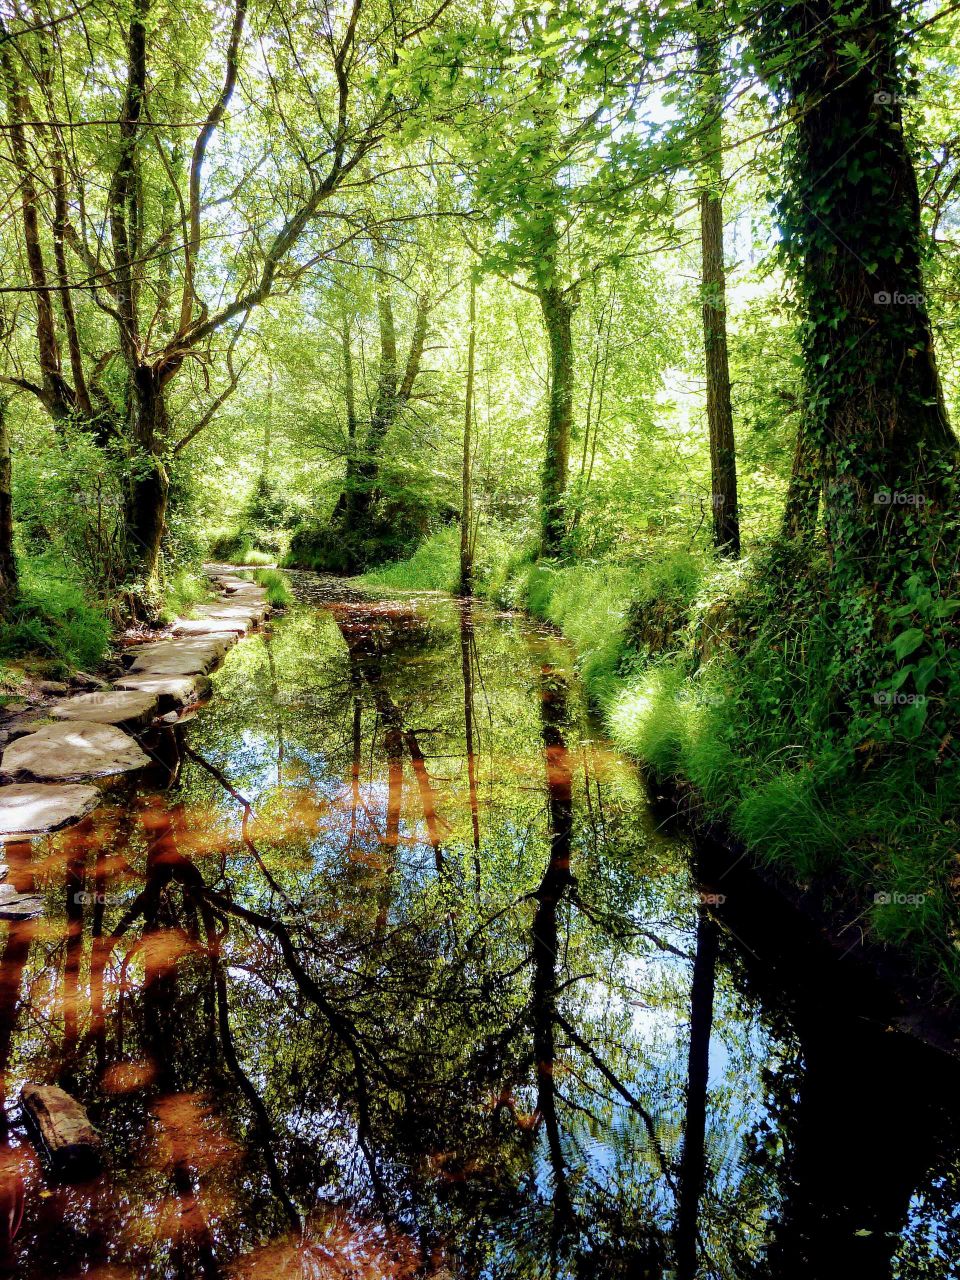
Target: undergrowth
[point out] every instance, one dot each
(54, 621)
(184, 591)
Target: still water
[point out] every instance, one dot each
(388, 970)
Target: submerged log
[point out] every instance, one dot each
(67, 1139)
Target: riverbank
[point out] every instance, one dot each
(720, 680)
(63, 738)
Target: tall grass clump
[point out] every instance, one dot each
(434, 566)
(277, 584)
(185, 589)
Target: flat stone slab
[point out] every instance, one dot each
(251, 612)
(33, 808)
(168, 690)
(19, 906)
(211, 626)
(119, 706)
(62, 752)
(189, 655)
(68, 1140)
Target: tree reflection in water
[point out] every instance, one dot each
(389, 973)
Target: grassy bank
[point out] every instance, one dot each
(747, 681)
(58, 626)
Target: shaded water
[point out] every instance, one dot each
(388, 972)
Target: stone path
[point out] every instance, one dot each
(45, 767)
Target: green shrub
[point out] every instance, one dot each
(247, 546)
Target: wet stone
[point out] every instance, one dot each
(170, 691)
(33, 808)
(19, 906)
(68, 1141)
(210, 626)
(74, 750)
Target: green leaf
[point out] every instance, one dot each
(907, 642)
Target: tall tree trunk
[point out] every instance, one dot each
(349, 385)
(9, 576)
(558, 306)
(851, 223)
(693, 1159)
(723, 457)
(466, 502)
(56, 394)
(148, 486)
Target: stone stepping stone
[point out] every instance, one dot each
(67, 1139)
(251, 612)
(130, 707)
(189, 655)
(19, 906)
(211, 626)
(63, 752)
(33, 808)
(169, 691)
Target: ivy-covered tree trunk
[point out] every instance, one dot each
(354, 519)
(558, 306)
(9, 578)
(851, 223)
(803, 491)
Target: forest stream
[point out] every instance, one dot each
(389, 969)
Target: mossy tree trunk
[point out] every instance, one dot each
(9, 578)
(466, 501)
(723, 458)
(803, 491)
(559, 306)
(393, 392)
